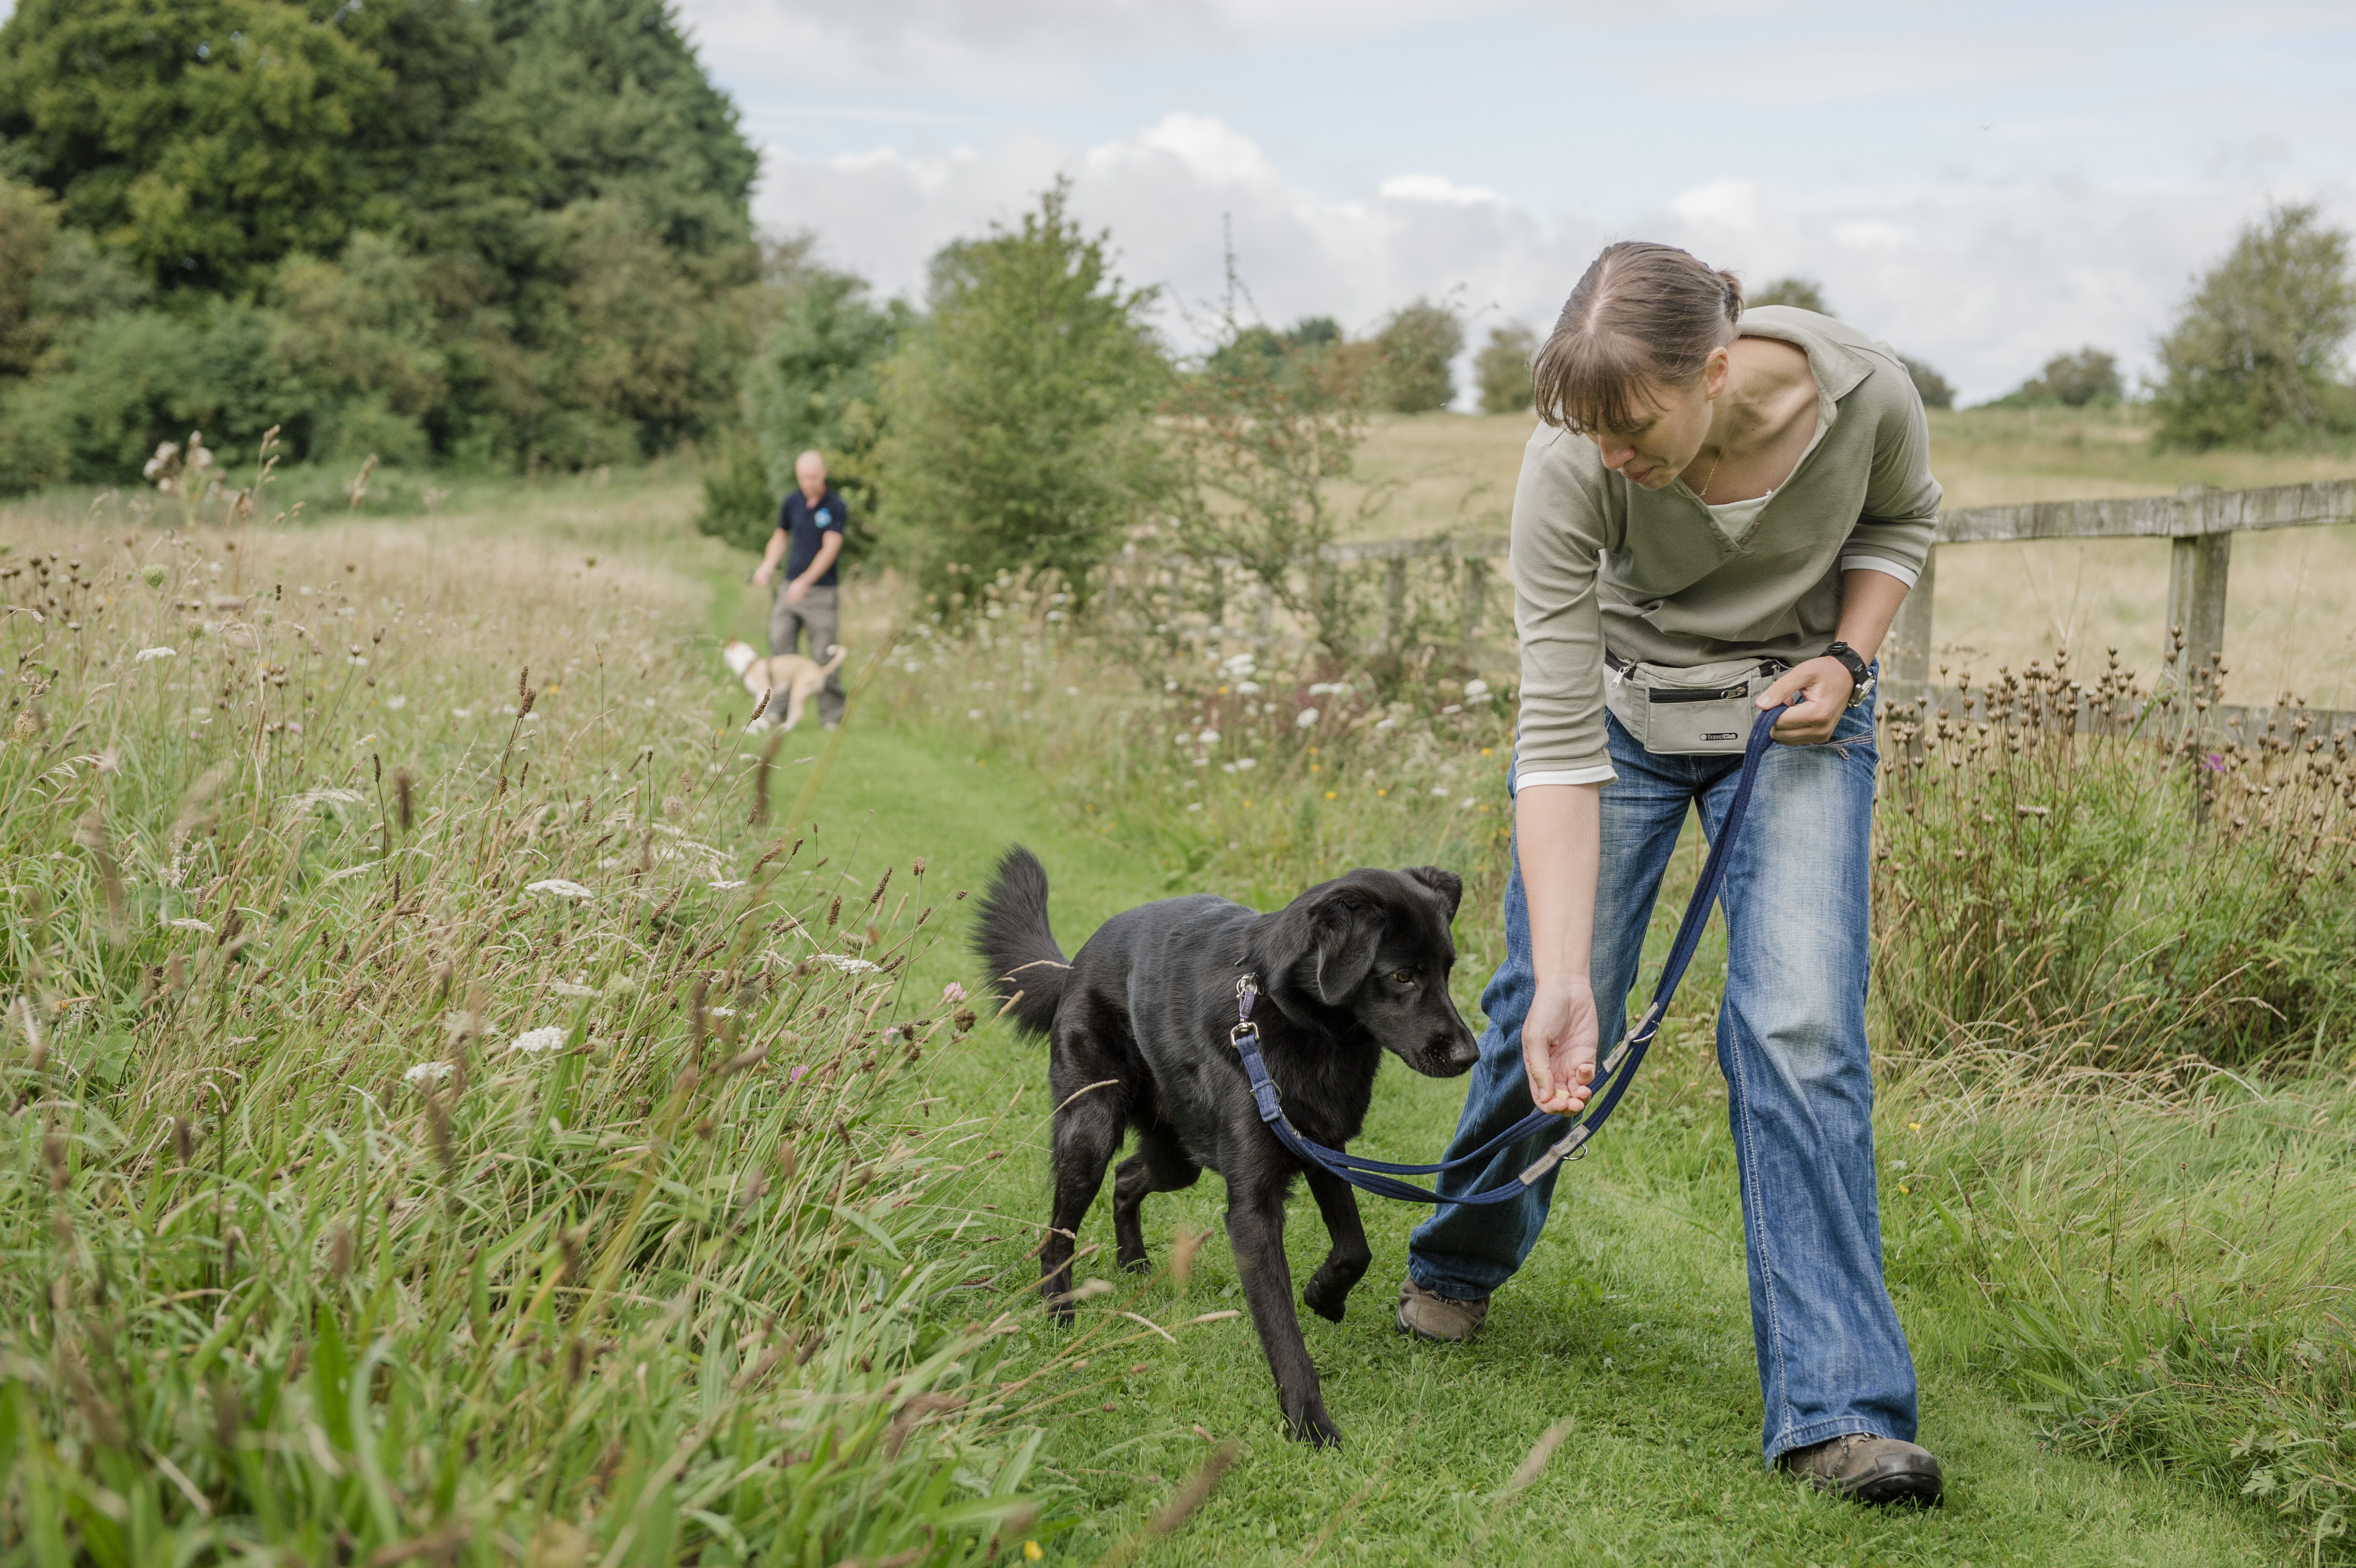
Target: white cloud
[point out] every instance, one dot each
(1983, 278)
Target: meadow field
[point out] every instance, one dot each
(470, 1103)
(2289, 620)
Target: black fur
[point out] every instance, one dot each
(1137, 1026)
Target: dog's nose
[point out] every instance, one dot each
(1463, 1051)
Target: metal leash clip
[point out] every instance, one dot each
(1247, 988)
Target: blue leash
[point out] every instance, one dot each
(1618, 1068)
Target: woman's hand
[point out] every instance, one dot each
(1559, 1046)
(1826, 685)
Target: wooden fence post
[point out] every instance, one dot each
(1394, 600)
(1910, 634)
(2196, 601)
(1476, 593)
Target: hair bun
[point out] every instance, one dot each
(1733, 296)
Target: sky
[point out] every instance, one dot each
(1982, 185)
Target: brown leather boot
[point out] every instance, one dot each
(1868, 1470)
(1429, 1316)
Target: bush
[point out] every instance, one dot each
(1936, 391)
(812, 385)
(1416, 350)
(1502, 369)
(2255, 355)
(1804, 293)
(740, 505)
(1017, 420)
(2070, 380)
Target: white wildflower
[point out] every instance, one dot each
(187, 923)
(557, 887)
(1330, 688)
(1438, 792)
(427, 1073)
(973, 713)
(1304, 719)
(1247, 763)
(144, 654)
(846, 963)
(1475, 689)
(396, 702)
(1208, 737)
(1453, 707)
(567, 988)
(725, 885)
(539, 1042)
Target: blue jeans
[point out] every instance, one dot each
(1791, 1041)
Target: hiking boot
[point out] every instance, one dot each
(1428, 1314)
(1868, 1470)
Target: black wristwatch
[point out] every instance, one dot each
(1860, 674)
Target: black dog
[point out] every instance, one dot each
(1137, 1026)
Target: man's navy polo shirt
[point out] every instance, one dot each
(807, 523)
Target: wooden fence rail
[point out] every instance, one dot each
(2200, 521)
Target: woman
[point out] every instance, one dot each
(1717, 502)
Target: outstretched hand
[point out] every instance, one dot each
(1559, 1046)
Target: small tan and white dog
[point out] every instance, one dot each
(788, 680)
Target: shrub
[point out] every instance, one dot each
(1017, 418)
(1804, 293)
(1417, 349)
(2070, 380)
(740, 505)
(1936, 391)
(2255, 355)
(1502, 369)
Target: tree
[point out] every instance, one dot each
(1262, 434)
(1804, 293)
(1017, 417)
(1417, 349)
(812, 383)
(1502, 369)
(1936, 391)
(487, 230)
(2254, 358)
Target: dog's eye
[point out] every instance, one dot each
(1403, 976)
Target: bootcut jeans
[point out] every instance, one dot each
(1791, 1041)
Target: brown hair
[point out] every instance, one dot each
(1644, 316)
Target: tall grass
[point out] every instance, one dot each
(443, 1123)
(2046, 891)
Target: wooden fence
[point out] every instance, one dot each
(2200, 522)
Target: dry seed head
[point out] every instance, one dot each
(402, 785)
(339, 1252)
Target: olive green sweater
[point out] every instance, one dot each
(1599, 562)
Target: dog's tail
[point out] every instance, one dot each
(1013, 939)
(834, 659)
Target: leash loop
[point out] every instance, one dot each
(1613, 1076)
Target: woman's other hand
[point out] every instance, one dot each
(1825, 685)
(1559, 1046)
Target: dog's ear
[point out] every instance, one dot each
(1447, 884)
(1320, 949)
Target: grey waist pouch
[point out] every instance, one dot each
(1706, 709)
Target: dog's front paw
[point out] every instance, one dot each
(1325, 1296)
(1311, 1425)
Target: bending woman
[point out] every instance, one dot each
(1717, 502)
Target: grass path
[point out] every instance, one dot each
(1630, 1319)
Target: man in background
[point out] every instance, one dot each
(809, 538)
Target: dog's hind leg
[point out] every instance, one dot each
(1160, 1165)
(1087, 1131)
(1328, 1291)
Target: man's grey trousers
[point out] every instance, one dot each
(820, 615)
